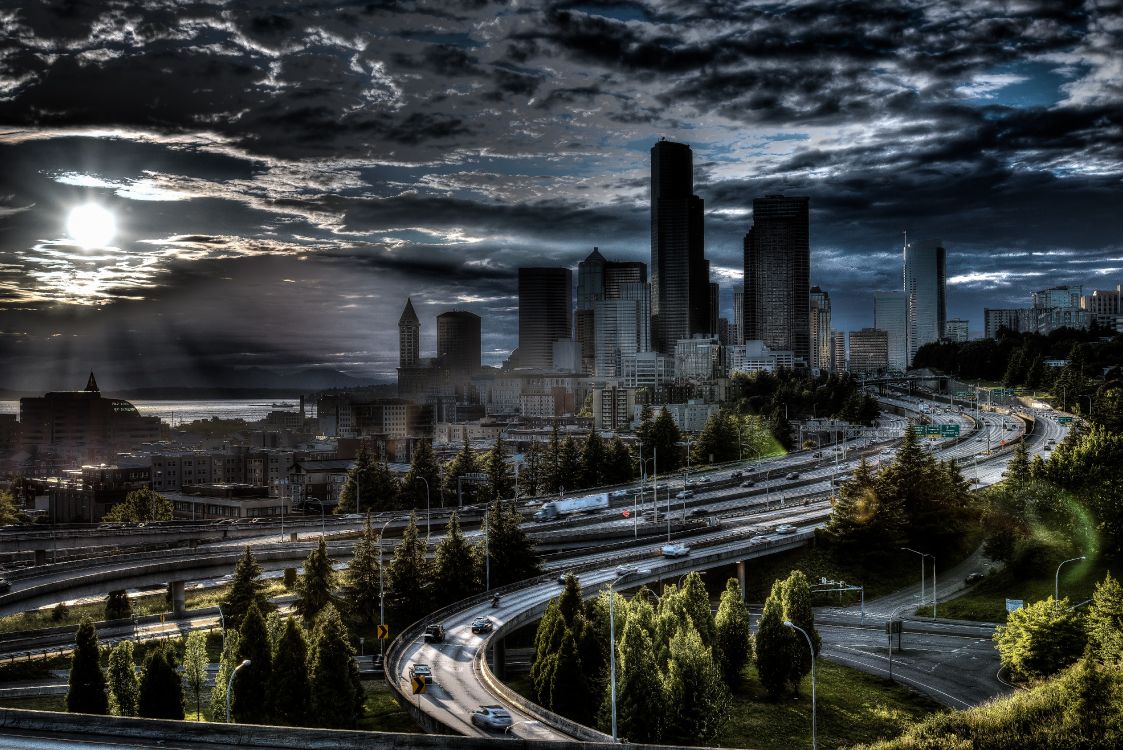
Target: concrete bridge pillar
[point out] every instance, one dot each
(499, 657)
(179, 599)
(741, 577)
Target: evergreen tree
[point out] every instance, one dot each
(1040, 639)
(641, 700)
(1015, 369)
(593, 456)
(1035, 376)
(797, 610)
(554, 479)
(733, 637)
(140, 506)
(195, 663)
(370, 486)
(773, 645)
(337, 693)
(569, 688)
(117, 606)
(87, 693)
(618, 463)
(1018, 470)
(464, 462)
(511, 551)
(290, 690)
(695, 689)
(423, 465)
(500, 482)
(718, 441)
(645, 431)
(161, 690)
(1104, 622)
(250, 702)
(665, 437)
(123, 687)
(455, 574)
(361, 580)
(227, 663)
(532, 478)
(862, 520)
(246, 590)
(780, 428)
(407, 596)
(696, 600)
(316, 586)
(569, 465)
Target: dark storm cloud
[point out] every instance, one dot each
(351, 153)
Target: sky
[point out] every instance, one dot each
(282, 175)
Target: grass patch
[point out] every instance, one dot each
(37, 703)
(35, 669)
(986, 600)
(381, 712)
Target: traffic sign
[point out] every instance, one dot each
(1013, 605)
(475, 476)
(418, 684)
(893, 627)
(382, 632)
(949, 430)
(1064, 420)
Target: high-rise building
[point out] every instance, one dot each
(955, 329)
(590, 288)
(838, 352)
(1063, 297)
(545, 305)
(621, 326)
(458, 342)
(715, 307)
(890, 314)
(737, 325)
(869, 351)
(1104, 307)
(925, 284)
(820, 317)
(409, 337)
(679, 273)
(699, 358)
(777, 274)
(1015, 319)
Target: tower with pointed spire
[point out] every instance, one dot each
(409, 337)
(91, 384)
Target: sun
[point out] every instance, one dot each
(91, 225)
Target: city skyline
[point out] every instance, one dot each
(313, 169)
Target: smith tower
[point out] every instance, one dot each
(680, 284)
(409, 337)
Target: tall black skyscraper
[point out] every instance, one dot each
(777, 274)
(458, 342)
(680, 290)
(545, 307)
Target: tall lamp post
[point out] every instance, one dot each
(382, 585)
(814, 728)
(230, 686)
(922, 566)
(612, 646)
(1057, 578)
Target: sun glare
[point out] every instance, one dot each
(91, 225)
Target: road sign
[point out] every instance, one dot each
(475, 476)
(1002, 391)
(1013, 605)
(1064, 420)
(893, 627)
(949, 430)
(382, 632)
(419, 685)
(627, 513)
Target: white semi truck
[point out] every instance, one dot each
(584, 504)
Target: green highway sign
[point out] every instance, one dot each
(949, 430)
(965, 394)
(936, 430)
(1064, 420)
(1002, 391)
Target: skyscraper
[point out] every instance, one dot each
(680, 296)
(838, 351)
(590, 288)
(925, 279)
(458, 342)
(820, 313)
(621, 317)
(737, 325)
(868, 351)
(890, 314)
(777, 274)
(409, 337)
(545, 304)
(715, 306)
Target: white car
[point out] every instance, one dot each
(623, 570)
(685, 495)
(785, 528)
(675, 550)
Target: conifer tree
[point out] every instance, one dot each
(407, 595)
(511, 551)
(161, 690)
(641, 700)
(195, 663)
(361, 580)
(665, 437)
(532, 477)
(773, 645)
(695, 689)
(87, 693)
(1018, 470)
(569, 465)
(1040, 639)
(780, 428)
(797, 610)
(455, 574)
(246, 589)
(337, 693)
(464, 462)
(250, 702)
(1104, 622)
(370, 486)
(500, 480)
(618, 463)
(227, 663)
(121, 679)
(592, 461)
(569, 688)
(733, 637)
(290, 690)
(696, 600)
(550, 462)
(117, 606)
(315, 588)
(423, 465)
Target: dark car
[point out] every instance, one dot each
(973, 578)
(793, 475)
(421, 670)
(482, 625)
(435, 633)
(699, 512)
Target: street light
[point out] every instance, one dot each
(1057, 578)
(922, 556)
(612, 645)
(814, 728)
(230, 686)
(381, 584)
